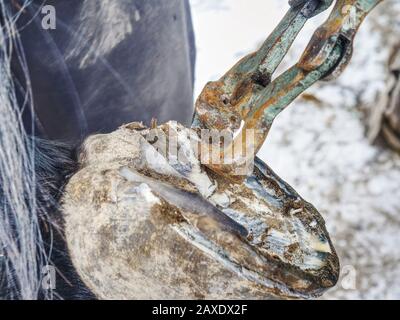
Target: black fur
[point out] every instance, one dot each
(55, 162)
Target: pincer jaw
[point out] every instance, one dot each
(252, 103)
(341, 27)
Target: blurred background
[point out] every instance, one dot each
(338, 144)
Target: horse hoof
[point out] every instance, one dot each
(147, 224)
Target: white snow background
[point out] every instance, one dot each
(320, 147)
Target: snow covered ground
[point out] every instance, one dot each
(320, 146)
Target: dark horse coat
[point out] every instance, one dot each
(107, 63)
